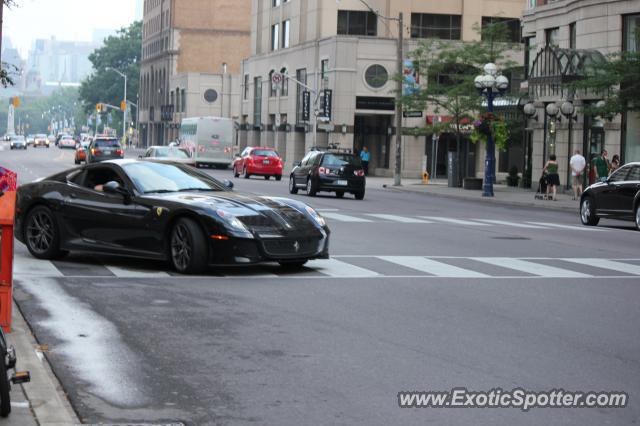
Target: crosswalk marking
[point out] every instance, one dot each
(531, 267)
(627, 268)
(344, 217)
(395, 218)
(31, 267)
(433, 267)
(338, 268)
(454, 221)
(513, 224)
(132, 273)
(572, 227)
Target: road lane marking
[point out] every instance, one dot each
(395, 218)
(433, 267)
(135, 273)
(513, 224)
(627, 268)
(27, 266)
(572, 227)
(339, 269)
(454, 221)
(345, 218)
(531, 267)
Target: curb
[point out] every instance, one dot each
(45, 395)
(492, 201)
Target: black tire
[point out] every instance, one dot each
(41, 234)
(311, 188)
(293, 189)
(188, 247)
(5, 398)
(359, 195)
(278, 178)
(267, 177)
(236, 174)
(339, 194)
(246, 173)
(292, 265)
(637, 217)
(76, 161)
(588, 212)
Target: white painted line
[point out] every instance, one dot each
(531, 267)
(399, 219)
(454, 221)
(344, 218)
(627, 268)
(433, 267)
(327, 210)
(339, 269)
(20, 404)
(513, 224)
(132, 273)
(27, 266)
(572, 227)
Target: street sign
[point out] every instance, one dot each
(277, 120)
(306, 105)
(412, 114)
(326, 104)
(276, 80)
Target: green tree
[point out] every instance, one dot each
(121, 52)
(5, 69)
(449, 68)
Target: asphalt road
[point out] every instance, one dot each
(422, 293)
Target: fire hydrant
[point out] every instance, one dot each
(425, 178)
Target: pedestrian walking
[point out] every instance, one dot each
(615, 164)
(601, 166)
(365, 157)
(577, 164)
(553, 178)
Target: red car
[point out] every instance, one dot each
(258, 161)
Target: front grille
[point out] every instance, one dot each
(292, 247)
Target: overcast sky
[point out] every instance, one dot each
(72, 20)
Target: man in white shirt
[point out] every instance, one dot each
(577, 164)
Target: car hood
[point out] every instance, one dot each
(257, 213)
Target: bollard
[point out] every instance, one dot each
(8, 185)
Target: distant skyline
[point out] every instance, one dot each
(69, 20)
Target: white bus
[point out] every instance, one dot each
(209, 140)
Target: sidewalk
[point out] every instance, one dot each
(41, 401)
(504, 195)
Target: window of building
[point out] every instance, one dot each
(275, 36)
(183, 101)
(511, 26)
(430, 25)
(572, 35)
(551, 36)
(529, 54)
(275, 3)
(631, 39)
(273, 91)
(285, 82)
(285, 33)
(178, 103)
(257, 101)
(353, 22)
(324, 69)
(376, 76)
(245, 94)
(301, 76)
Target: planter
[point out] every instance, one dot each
(472, 183)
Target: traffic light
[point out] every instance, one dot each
(123, 106)
(100, 107)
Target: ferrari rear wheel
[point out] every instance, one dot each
(41, 234)
(188, 249)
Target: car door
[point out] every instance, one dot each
(300, 172)
(101, 221)
(609, 200)
(628, 189)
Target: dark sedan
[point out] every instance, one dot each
(164, 211)
(616, 198)
(104, 148)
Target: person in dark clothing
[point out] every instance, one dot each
(553, 178)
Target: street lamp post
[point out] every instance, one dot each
(124, 112)
(490, 84)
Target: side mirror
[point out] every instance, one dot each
(112, 187)
(228, 184)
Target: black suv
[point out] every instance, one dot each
(104, 148)
(329, 170)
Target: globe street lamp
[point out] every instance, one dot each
(490, 84)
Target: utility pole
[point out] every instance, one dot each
(397, 176)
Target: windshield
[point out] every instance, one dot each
(107, 143)
(41, 136)
(339, 160)
(264, 153)
(171, 153)
(158, 177)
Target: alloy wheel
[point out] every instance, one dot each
(40, 232)
(585, 211)
(638, 218)
(181, 247)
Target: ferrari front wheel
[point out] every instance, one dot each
(188, 251)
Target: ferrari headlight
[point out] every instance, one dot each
(233, 221)
(314, 214)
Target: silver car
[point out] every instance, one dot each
(18, 142)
